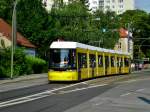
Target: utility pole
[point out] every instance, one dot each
(128, 37)
(14, 31)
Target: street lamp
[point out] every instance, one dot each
(14, 31)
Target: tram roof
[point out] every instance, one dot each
(74, 45)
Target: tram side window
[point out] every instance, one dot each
(119, 62)
(126, 62)
(92, 60)
(100, 61)
(112, 61)
(82, 60)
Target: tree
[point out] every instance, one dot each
(6, 9)
(70, 21)
(108, 25)
(140, 26)
(32, 21)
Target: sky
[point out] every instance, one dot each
(143, 4)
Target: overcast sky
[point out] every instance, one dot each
(143, 4)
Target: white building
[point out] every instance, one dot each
(49, 3)
(125, 42)
(118, 6)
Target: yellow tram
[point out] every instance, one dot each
(72, 61)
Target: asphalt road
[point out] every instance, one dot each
(125, 93)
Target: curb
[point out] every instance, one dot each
(24, 78)
(143, 70)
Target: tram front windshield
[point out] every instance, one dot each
(62, 59)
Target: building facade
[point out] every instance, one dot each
(49, 3)
(125, 42)
(118, 6)
(6, 39)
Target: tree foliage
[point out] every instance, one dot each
(139, 22)
(108, 25)
(73, 22)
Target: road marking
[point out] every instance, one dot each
(5, 104)
(35, 96)
(99, 103)
(80, 89)
(125, 94)
(139, 90)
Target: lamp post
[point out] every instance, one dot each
(13, 38)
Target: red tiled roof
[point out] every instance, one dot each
(6, 30)
(123, 33)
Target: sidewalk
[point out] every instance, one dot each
(31, 80)
(24, 78)
(23, 82)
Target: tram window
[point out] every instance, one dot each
(126, 62)
(119, 62)
(62, 59)
(82, 59)
(92, 60)
(112, 61)
(106, 61)
(100, 61)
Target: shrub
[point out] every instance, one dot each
(5, 62)
(36, 65)
(23, 64)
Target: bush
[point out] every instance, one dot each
(5, 62)
(23, 64)
(36, 65)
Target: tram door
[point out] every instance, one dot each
(119, 65)
(106, 64)
(92, 58)
(82, 65)
(79, 66)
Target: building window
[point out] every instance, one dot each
(113, 1)
(108, 1)
(107, 7)
(120, 1)
(94, 2)
(94, 8)
(121, 6)
(2, 43)
(101, 3)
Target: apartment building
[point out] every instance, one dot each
(49, 3)
(118, 6)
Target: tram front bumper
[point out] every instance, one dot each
(62, 76)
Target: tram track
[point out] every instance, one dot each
(41, 91)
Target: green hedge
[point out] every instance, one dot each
(23, 64)
(36, 65)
